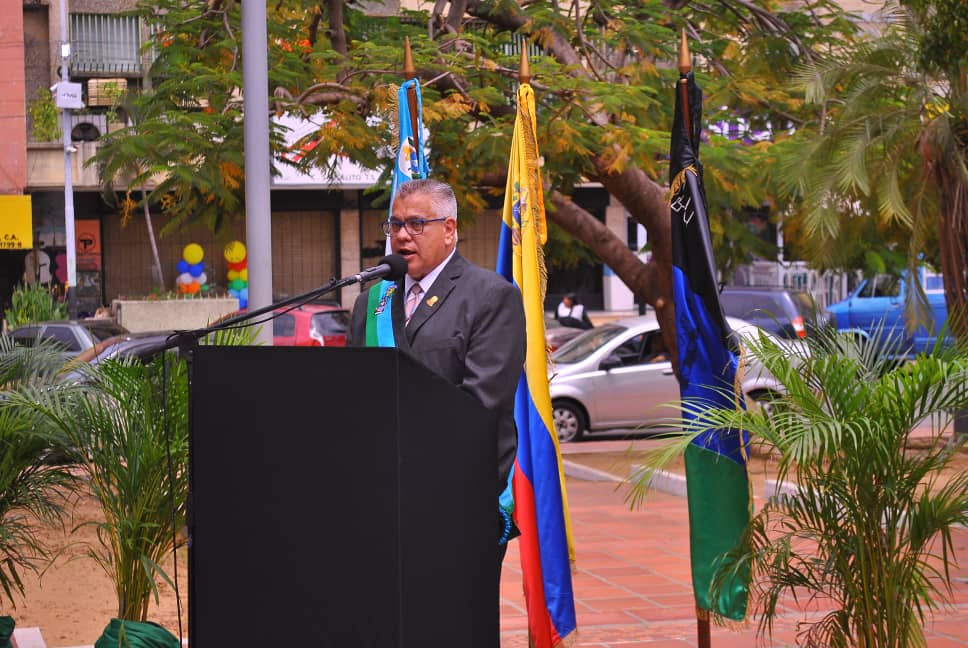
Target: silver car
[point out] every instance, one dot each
(614, 376)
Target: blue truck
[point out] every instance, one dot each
(876, 310)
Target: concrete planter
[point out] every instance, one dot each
(179, 314)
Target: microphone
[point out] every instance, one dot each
(391, 268)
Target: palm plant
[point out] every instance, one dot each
(868, 529)
(888, 152)
(128, 423)
(129, 426)
(33, 490)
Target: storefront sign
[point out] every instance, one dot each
(16, 223)
(88, 233)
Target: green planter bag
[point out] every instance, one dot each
(6, 631)
(135, 634)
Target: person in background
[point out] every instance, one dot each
(571, 312)
(658, 351)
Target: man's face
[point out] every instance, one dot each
(425, 251)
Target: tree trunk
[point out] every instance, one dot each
(158, 273)
(953, 241)
(651, 282)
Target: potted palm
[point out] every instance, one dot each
(128, 423)
(34, 490)
(867, 528)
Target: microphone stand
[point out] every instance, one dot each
(187, 343)
(191, 337)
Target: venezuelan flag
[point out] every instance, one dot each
(716, 470)
(540, 502)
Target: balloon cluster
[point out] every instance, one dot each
(191, 270)
(238, 264)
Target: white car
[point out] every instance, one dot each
(607, 378)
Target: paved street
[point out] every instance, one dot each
(632, 581)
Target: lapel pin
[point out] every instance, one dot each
(432, 301)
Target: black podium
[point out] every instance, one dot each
(339, 498)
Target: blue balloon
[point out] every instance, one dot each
(234, 293)
(244, 294)
(182, 266)
(196, 269)
(243, 303)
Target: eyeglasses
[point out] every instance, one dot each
(414, 226)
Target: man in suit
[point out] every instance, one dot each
(461, 321)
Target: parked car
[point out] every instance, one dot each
(311, 325)
(611, 377)
(73, 336)
(307, 325)
(783, 312)
(556, 335)
(876, 309)
(143, 345)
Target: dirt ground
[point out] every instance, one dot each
(74, 600)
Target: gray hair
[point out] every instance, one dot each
(441, 196)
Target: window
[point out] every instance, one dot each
(587, 343)
(26, 336)
(64, 337)
(630, 351)
(331, 323)
(105, 44)
(933, 282)
(284, 325)
(882, 286)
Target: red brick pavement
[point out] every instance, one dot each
(633, 588)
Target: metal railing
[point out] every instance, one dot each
(104, 44)
(825, 287)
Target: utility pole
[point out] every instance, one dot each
(255, 96)
(69, 236)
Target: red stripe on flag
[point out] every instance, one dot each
(542, 630)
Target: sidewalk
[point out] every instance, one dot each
(632, 582)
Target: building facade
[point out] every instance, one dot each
(319, 230)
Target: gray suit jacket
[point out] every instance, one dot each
(469, 328)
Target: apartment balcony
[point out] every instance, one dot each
(45, 166)
(45, 160)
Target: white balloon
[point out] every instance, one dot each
(202, 278)
(185, 278)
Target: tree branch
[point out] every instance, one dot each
(603, 243)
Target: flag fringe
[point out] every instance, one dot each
(534, 172)
(679, 180)
(567, 642)
(393, 106)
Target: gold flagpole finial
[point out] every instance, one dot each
(409, 71)
(524, 72)
(685, 60)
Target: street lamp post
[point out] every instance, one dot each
(70, 242)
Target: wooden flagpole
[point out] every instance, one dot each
(410, 72)
(703, 635)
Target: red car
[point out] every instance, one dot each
(311, 325)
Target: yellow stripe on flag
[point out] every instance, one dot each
(524, 214)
